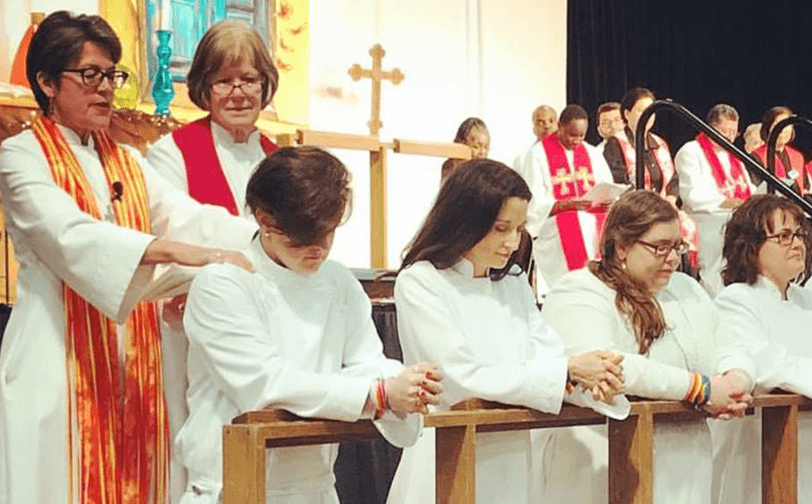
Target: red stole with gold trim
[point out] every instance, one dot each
(204, 174)
(736, 185)
(122, 428)
(569, 183)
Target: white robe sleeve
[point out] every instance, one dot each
(222, 319)
(97, 259)
(697, 187)
(774, 366)
(426, 323)
(363, 357)
(533, 167)
(587, 320)
(167, 160)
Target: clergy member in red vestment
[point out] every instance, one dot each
(232, 77)
(560, 170)
(712, 183)
(789, 163)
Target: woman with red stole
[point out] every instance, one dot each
(233, 78)
(789, 162)
(82, 408)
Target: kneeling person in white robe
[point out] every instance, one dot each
(296, 335)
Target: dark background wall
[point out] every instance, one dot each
(750, 54)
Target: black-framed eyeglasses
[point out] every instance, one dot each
(663, 249)
(785, 237)
(93, 76)
(247, 86)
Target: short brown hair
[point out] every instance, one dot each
(305, 189)
(606, 107)
(721, 111)
(747, 231)
(224, 44)
(769, 117)
(630, 217)
(58, 43)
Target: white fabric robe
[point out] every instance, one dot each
(490, 342)
(551, 263)
(582, 309)
(701, 196)
(238, 160)
(776, 333)
(55, 242)
(303, 343)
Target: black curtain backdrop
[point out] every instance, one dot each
(749, 54)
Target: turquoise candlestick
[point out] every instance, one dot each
(162, 90)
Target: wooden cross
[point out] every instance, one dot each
(377, 75)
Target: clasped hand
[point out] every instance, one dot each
(414, 388)
(730, 395)
(598, 371)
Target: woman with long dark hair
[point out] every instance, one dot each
(462, 305)
(632, 301)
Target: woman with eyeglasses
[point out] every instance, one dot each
(82, 410)
(632, 301)
(769, 316)
(233, 78)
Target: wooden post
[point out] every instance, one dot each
(377, 207)
(779, 455)
(631, 459)
(243, 465)
(455, 455)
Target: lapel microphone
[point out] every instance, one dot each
(118, 190)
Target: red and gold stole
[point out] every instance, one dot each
(204, 173)
(571, 184)
(796, 162)
(734, 187)
(661, 155)
(122, 428)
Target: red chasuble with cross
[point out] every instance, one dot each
(736, 185)
(204, 173)
(571, 183)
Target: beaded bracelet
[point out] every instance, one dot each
(699, 391)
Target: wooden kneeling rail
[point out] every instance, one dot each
(631, 445)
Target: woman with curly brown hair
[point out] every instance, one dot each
(633, 302)
(770, 316)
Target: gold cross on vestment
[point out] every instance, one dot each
(377, 75)
(585, 176)
(564, 178)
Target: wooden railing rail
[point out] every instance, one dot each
(631, 444)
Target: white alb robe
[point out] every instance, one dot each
(490, 342)
(56, 242)
(238, 161)
(582, 309)
(776, 334)
(551, 263)
(303, 343)
(702, 198)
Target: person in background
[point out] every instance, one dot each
(545, 121)
(609, 122)
(474, 133)
(789, 162)
(712, 183)
(752, 138)
(232, 77)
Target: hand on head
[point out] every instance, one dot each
(414, 388)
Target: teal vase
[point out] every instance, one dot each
(162, 90)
